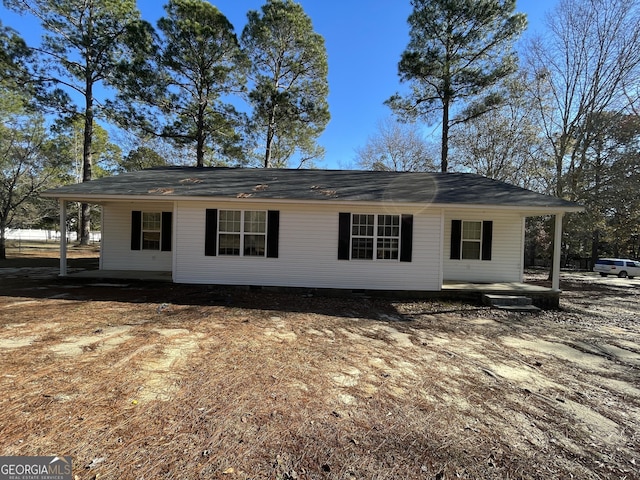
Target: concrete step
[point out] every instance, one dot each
(514, 303)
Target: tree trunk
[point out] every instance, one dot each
(271, 126)
(3, 244)
(595, 246)
(200, 152)
(270, 135)
(200, 135)
(85, 209)
(444, 154)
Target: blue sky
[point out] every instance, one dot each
(364, 40)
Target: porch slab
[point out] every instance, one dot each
(542, 297)
(502, 288)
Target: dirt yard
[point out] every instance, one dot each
(151, 381)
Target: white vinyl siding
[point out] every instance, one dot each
(308, 252)
(308, 248)
(506, 264)
(115, 250)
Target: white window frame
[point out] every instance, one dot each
(144, 229)
(243, 232)
(377, 237)
(464, 240)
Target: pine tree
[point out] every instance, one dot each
(458, 50)
(178, 87)
(83, 43)
(289, 72)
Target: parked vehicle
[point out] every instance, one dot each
(621, 267)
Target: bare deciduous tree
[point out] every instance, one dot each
(505, 144)
(585, 65)
(396, 147)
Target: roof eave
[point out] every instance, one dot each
(530, 210)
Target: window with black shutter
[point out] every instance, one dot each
(151, 230)
(242, 233)
(375, 237)
(471, 240)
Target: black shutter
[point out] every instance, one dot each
(456, 239)
(344, 236)
(210, 232)
(406, 238)
(165, 235)
(273, 232)
(487, 239)
(136, 229)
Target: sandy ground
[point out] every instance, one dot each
(166, 381)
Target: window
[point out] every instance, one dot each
(151, 230)
(362, 228)
(229, 232)
(242, 233)
(381, 231)
(471, 240)
(255, 233)
(388, 236)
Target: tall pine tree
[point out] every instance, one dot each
(179, 87)
(458, 50)
(289, 74)
(83, 43)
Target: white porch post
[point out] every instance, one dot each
(557, 248)
(63, 238)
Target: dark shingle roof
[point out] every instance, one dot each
(318, 185)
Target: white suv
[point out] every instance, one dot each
(621, 267)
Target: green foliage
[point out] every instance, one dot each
(28, 165)
(458, 50)
(608, 184)
(581, 74)
(289, 72)
(67, 135)
(179, 85)
(141, 158)
(83, 43)
(15, 83)
(81, 46)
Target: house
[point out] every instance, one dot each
(314, 228)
